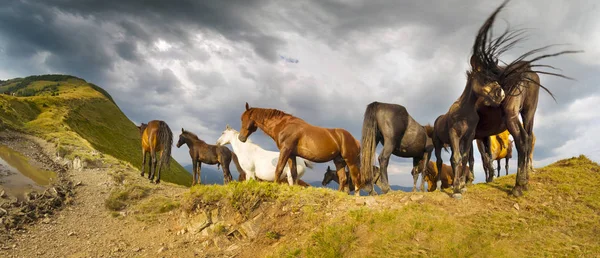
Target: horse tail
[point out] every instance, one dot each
(368, 144)
(165, 137)
(308, 164)
(429, 130)
(237, 165)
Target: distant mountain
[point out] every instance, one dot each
(334, 186)
(210, 175)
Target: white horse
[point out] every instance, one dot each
(258, 162)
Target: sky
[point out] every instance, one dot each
(194, 64)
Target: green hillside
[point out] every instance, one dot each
(76, 116)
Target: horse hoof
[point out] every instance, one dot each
(463, 190)
(517, 191)
(142, 174)
(457, 196)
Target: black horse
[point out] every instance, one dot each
(400, 134)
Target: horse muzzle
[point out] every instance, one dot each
(242, 138)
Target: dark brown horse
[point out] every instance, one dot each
(400, 135)
(156, 137)
(202, 152)
(457, 126)
(295, 137)
(331, 175)
(521, 84)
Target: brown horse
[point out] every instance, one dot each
(497, 148)
(202, 152)
(156, 137)
(295, 137)
(457, 126)
(331, 175)
(521, 84)
(400, 134)
(431, 174)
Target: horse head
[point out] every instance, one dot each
(248, 125)
(226, 136)
(181, 138)
(142, 127)
(485, 84)
(329, 175)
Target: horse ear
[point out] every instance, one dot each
(328, 168)
(475, 63)
(227, 127)
(182, 129)
(247, 106)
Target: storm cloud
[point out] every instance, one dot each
(195, 63)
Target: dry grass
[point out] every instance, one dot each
(557, 217)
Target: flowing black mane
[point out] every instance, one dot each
(487, 50)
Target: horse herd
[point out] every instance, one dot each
(487, 111)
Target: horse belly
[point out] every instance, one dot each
(317, 150)
(412, 143)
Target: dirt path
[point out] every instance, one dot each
(85, 228)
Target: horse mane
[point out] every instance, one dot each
(191, 135)
(487, 49)
(262, 114)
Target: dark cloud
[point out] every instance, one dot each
(217, 55)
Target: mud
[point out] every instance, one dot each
(39, 201)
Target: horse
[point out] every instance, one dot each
(498, 147)
(258, 162)
(156, 137)
(202, 152)
(400, 134)
(295, 137)
(331, 175)
(431, 173)
(521, 84)
(457, 126)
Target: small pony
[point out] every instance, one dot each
(202, 152)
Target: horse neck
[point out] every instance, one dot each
(239, 146)
(268, 125)
(468, 100)
(190, 142)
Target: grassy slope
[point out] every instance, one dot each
(81, 116)
(559, 216)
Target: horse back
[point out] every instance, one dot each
(150, 139)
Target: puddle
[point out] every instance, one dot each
(18, 177)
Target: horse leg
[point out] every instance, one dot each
(152, 165)
(157, 181)
(384, 159)
(455, 161)
(438, 164)
(499, 167)
(506, 166)
(415, 175)
(471, 177)
(195, 167)
(143, 161)
(518, 132)
(293, 170)
(341, 173)
(226, 174)
(284, 155)
(199, 173)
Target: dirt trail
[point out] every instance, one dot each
(85, 228)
